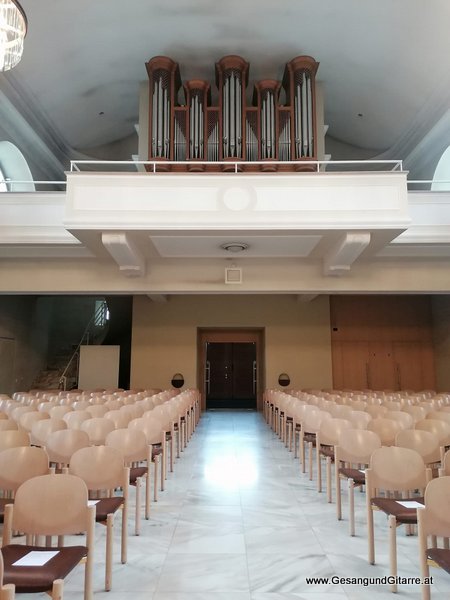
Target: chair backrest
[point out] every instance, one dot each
(331, 429)
(120, 418)
(61, 445)
(8, 425)
(97, 410)
(423, 442)
(51, 505)
(41, 430)
(359, 419)
(440, 415)
(75, 418)
(397, 469)
(434, 518)
(440, 428)
(356, 446)
(386, 429)
(57, 412)
(405, 420)
(21, 463)
(97, 429)
(132, 443)
(13, 439)
(445, 468)
(26, 420)
(417, 412)
(100, 467)
(376, 410)
(152, 428)
(312, 420)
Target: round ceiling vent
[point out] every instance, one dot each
(234, 247)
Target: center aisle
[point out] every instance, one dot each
(238, 521)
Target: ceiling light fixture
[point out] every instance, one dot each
(13, 29)
(234, 247)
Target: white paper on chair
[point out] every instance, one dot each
(410, 503)
(35, 559)
(93, 502)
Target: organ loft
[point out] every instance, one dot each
(277, 128)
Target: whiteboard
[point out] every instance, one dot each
(99, 367)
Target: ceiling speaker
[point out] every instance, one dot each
(233, 275)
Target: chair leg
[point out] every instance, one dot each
(351, 505)
(310, 460)
(319, 468)
(137, 520)
(147, 493)
(370, 533)
(393, 549)
(109, 551)
(155, 478)
(57, 589)
(329, 489)
(124, 540)
(338, 491)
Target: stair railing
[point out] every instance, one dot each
(98, 318)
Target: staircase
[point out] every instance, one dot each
(62, 366)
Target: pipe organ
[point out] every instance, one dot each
(278, 125)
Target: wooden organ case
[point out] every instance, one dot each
(187, 133)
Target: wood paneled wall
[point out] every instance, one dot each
(382, 342)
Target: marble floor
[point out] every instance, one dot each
(238, 521)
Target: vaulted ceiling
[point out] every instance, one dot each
(384, 66)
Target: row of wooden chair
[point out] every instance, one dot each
(366, 456)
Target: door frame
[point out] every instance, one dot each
(231, 334)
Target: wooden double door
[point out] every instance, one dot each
(231, 367)
(231, 375)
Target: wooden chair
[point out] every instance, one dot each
(386, 429)
(440, 429)
(42, 429)
(445, 465)
(397, 472)
(75, 418)
(97, 410)
(103, 471)
(351, 455)
(13, 439)
(423, 442)
(308, 432)
(156, 438)
(49, 505)
(8, 425)
(119, 418)
(58, 412)
(27, 420)
(434, 520)
(16, 466)
(137, 454)
(406, 421)
(97, 429)
(326, 439)
(61, 445)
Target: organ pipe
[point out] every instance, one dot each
(184, 126)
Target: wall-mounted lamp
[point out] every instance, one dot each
(284, 380)
(177, 380)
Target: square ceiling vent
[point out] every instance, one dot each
(233, 275)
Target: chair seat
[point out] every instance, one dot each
(39, 579)
(390, 506)
(106, 506)
(441, 557)
(355, 474)
(136, 472)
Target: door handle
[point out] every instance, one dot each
(207, 376)
(255, 376)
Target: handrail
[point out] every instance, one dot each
(397, 164)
